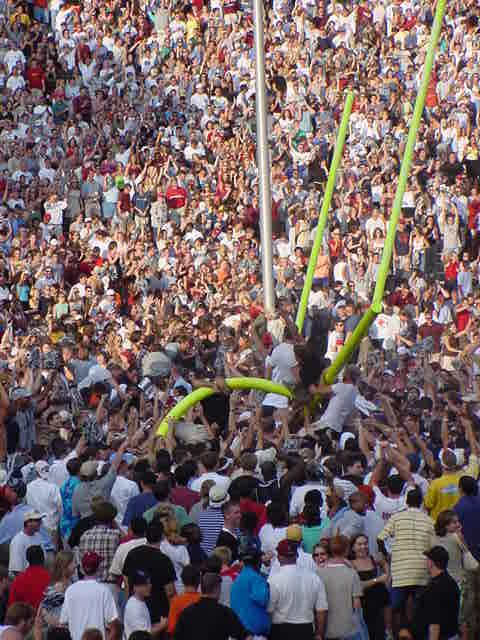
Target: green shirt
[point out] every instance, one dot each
(181, 515)
(312, 535)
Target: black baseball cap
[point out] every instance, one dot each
(140, 578)
(439, 556)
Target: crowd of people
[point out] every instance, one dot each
(130, 276)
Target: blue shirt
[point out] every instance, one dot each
(468, 512)
(249, 600)
(68, 520)
(137, 506)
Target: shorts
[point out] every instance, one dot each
(287, 631)
(400, 595)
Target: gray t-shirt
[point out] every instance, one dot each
(342, 585)
(340, 406)
(85, 491)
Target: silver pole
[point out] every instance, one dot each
(263, 160)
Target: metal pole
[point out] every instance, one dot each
(322, 219)
(370, 315)
(263, 160)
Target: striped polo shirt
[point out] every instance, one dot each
(210, 523)
(411, 533)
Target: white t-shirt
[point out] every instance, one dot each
(304, 561)
(271, 536)
(294, 595)
(58, 473)
(116, 568)
(221, 481)
(55, 211)
(179, 556)
(297, 502)
(282, 360)
(88, 604)
(385, 327)
(122, 490)
(136, 617)
(18, 548)
(44, 497)
(384, 506)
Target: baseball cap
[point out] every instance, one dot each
(267, 339)
(19, 394)
(88, 469)
(249, 548)
(42, 468)
(33, 515)
(438, 555)
(448, 459)
(139, 578)
(294, 533)
(91, 561)
(287, 548)
(129, 458)
(217, 497)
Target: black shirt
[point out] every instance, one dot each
(160, 569)
(210, 621)
(227, 539)
(80, 528)
(439, 604)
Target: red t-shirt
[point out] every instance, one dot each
(230, 6)
(176, 197)
(124, 201)
(29, 586)
(451, 271)
(462, 319)
(35, 78)
(258, 509)
(232, 571)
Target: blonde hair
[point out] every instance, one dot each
(224, 554)
(62, 560)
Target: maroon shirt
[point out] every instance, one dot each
(184, 497)
(435, 330)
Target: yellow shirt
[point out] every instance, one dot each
(193, 27)
(443, 492)
(24, 18)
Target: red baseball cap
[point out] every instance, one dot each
(91, 561)
(287, 548)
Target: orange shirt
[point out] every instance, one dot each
(178, 603)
